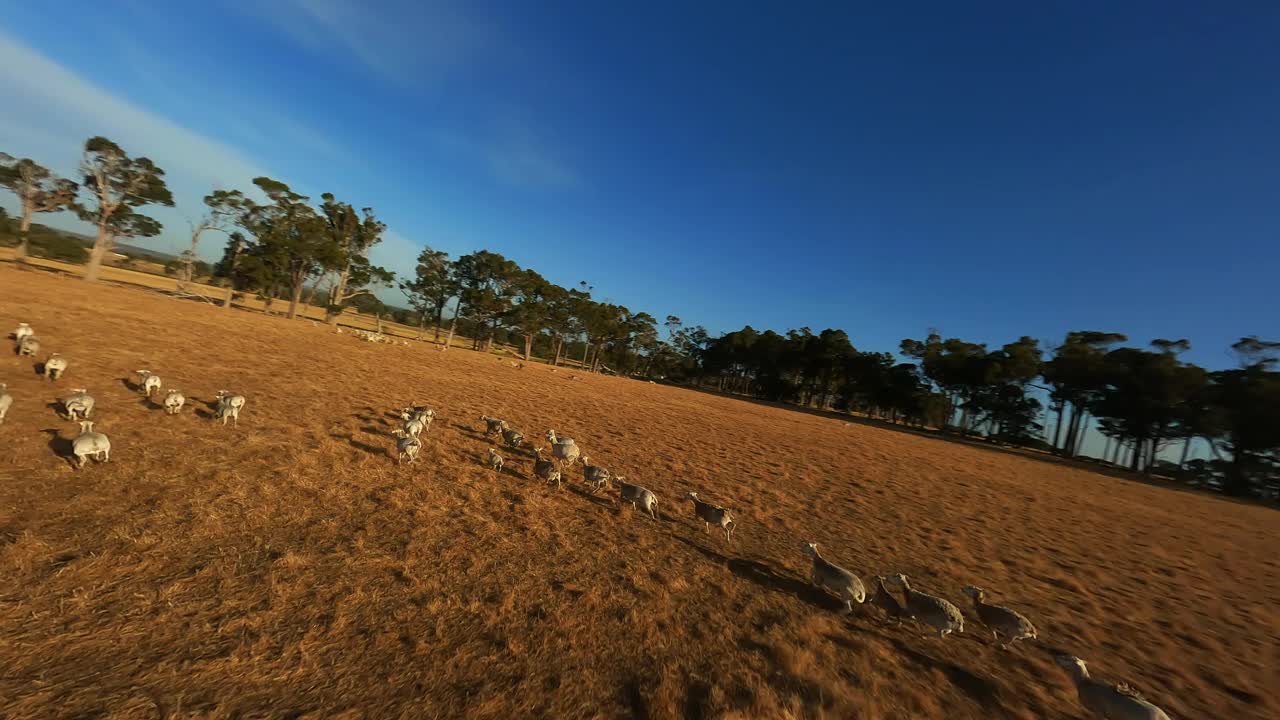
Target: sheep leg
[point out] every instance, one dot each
(81, 459)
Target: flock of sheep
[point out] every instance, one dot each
(1104, 700)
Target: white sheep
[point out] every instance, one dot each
(79, 404)
(28, 346)
(407, 446)
(147, 381)
(229, 406)
(639, 497)
(938, 612)
(89, 443)
(494, 460)
(24, 330)
(55, 366)
(1104, 700)
(712, 514)
(847, 586)
(173, 402)
(6, 401)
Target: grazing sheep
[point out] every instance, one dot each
(147, 381)
(28, 346)
(55, 366)
(494, 460)
(513, 438)
(89, 443)
(832, 577)
(6, 401)
(24, 331)
(493, 426)
(407, 446)
(712, 514)
(886, 601)
(229, 406)
(566, 451)
(639, 497)
(546, 470)
(173, 402)
(1000, 620)
(934, 611)
(1107, 701)
(596, 477)
(79, 404)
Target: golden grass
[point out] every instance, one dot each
(289, 568)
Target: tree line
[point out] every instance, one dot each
(1143, 400)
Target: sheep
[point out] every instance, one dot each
(1107, 701)
(494, 460)
(173, 402)
(78, 404)
(934, 611)
(493, 426)
(713, 514)
(89, 443)
(424, 415)
(596, 477)
(147, 381)
(886, 601)
(637, 496)
(28, 346)
(563, 449)
(1000, 620)
(6, 401)
(832, 577)
(513, 438)
(414, 426)
(407, 446)
(55, 366)
(546, 470)
(229, 406)
(24, 330)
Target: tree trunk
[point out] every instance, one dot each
(24, 227)
(559, 347)
(1186, 450)
(1069, 441)
(453, 325)
(528, 346)
(422, 326)
(1106, 448)
(1057, 428)
(1135, 460)
(1082, 432)
(334, 311)
(586, 348)
(231, 291)
(100, 247)
(440, 319)
(295, 299)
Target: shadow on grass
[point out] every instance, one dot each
(363, 446)
(766, 577)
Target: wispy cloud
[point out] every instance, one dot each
(512, 154)
(51, 111)
(405, 43)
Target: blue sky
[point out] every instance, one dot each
(988, 169)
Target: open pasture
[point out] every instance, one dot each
(288, 567)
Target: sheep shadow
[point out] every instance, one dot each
(601, 500)
(633, 698)
(983, 690)
(58, 409)
(363, 446)
(130, 385)
(37, 368)
(208, 412)
(766, 577)
(60, 446)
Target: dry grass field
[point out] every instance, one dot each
(288, 568)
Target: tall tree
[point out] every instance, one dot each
(352, 236)
(290, 236)
(486, 281)
(224, 208)
(117, 185)
(1246, 403)
(530, 312)
(38, 191)
(229, 267)
(1076, 375)
(431, 287)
